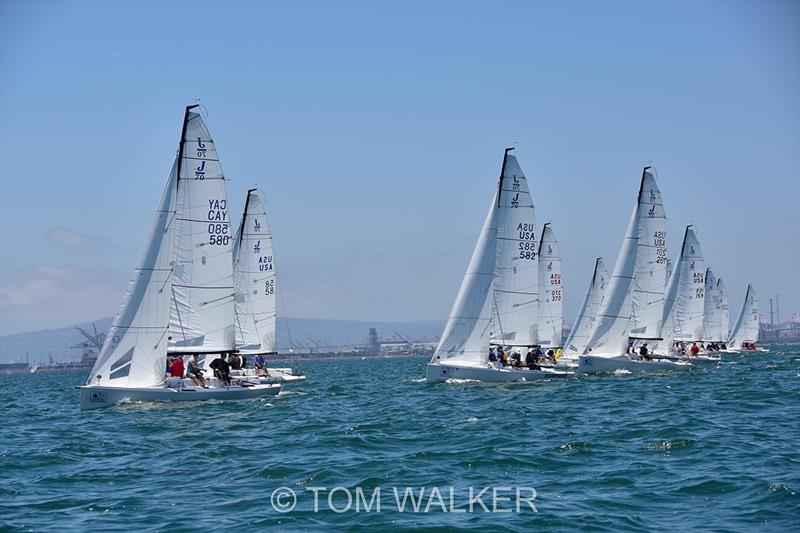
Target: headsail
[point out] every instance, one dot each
(202, 311)
(466, 334)
(516, 283)
(254, 280)
(651, 263)
(551, 305)
(135, 350)
(610, 335)
(746, 327)
(587, 316)
(689, 294)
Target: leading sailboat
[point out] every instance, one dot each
(180, 296)
(498, 298)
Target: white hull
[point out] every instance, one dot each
(98, 397)
(276, 375)
(596, 363)
(700, 358)
(443, 372)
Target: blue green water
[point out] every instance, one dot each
(714, 449)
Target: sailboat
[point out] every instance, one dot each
(745, 329)
(497, 301)
(684, 310)
(551, 305)
(715, 334)
(180, 296)
(255, 289)
(632, 308)
(587, 316)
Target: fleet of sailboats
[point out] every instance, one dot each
(199, 288)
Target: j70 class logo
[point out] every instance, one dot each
(257, 247)
(652, 196)
(550, 266)
(256, 226)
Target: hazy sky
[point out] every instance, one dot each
(376, 131)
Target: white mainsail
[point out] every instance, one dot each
(135, 349)
(587, 316)
(725, 314)
(713, 330)
(202, 312)
(746, 327)
(254, 280)
(689, 291)
(649, 279)
(466, 334)
(551, 305)
(611, 332)
(516, 283)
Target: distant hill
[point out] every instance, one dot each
(39, 344)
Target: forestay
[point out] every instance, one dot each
(135, 349)
(587, 317)
(202, 305)
(651, 263)
(745, 329)
(466, 334)
(515, 284)
(551, 306)
(254, 280)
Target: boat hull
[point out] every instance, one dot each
(589, 364)
(99, 397)
(439, 373)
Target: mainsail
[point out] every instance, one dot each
(551, 305)
(135, 349)
(688, 287)
(202, 311)
(611, 331)
(587, 316)
(651, 263)
(725, 313)
(713, 330)
(466, 334)
(515, 284)
(254, 280)
(746, 327)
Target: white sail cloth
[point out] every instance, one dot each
(685, 299)
(725, 313)
(254, 280)
(649, 282)
(203, 305)
(551, 305)
(745, 329)
(466, 335)
(516, 283)
(134, 351)
(713, 329)
(587, 316)
(611, 332)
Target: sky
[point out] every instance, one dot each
(376, 131)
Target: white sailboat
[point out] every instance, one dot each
(684, 307)
(745, 329)
(715, 334)
(551, 304)
(255, 290)
(587, 316)
(497, 300)
(639, 271)
(180, 296)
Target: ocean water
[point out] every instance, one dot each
(714, 449)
